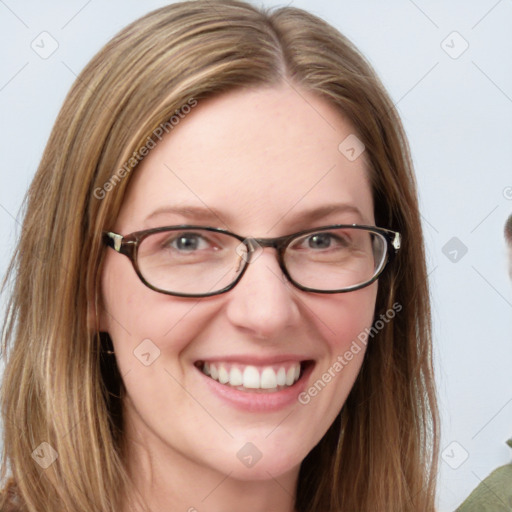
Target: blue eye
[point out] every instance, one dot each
(320, 241)
(188, 242)
(325, 241)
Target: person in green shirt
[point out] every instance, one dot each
(494, 494)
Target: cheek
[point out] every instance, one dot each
(144, 325)
(343, 321)
(343, 318)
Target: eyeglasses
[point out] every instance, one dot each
(198, 261)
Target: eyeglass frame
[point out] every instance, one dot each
(128, 245)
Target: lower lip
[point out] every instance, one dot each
(258, 401)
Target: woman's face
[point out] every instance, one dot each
(261, 163)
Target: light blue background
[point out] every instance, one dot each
(458, 116)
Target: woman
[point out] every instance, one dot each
(196, 324)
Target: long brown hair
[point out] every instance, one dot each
(381, 452)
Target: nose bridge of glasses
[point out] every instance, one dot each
(256, 245)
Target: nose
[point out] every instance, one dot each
(263, 303)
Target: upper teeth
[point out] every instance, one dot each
(252, 377)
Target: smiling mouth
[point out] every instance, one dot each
(252, 378)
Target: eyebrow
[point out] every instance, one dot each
(321, 212)
(201, 214)
(197, 213)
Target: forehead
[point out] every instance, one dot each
(255, 160)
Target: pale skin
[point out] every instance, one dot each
(266, 161)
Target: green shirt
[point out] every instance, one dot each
(494, 494)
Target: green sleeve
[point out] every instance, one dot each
(494, 494)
